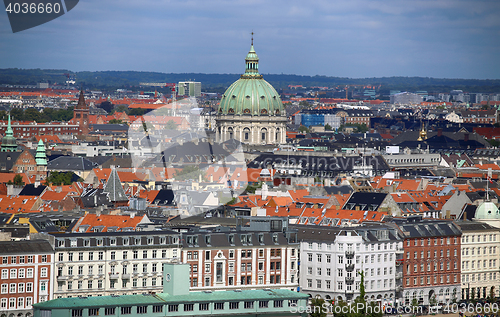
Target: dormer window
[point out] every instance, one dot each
(207, 239)
(231, 239)
(112, 241)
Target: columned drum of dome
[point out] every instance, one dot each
(251, 110)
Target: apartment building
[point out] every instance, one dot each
(111, 263)
(332, 257)
(480, 259)
(25, 279)
(260, 253)
(431, 266)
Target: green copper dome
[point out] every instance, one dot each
(487, 210)
(251, 95)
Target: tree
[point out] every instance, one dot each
(137, 112)
(473, 294)
(170, 125)
(17, 181)
(491, 298)
(115, 121)
(60, 178)
(317, 307)
(303, 129)
(328, 127)
(188, 172)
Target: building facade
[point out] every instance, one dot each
(107, 263)
(431, 269)
(246, 258)
(26, 276)
(332, 259)
(480, 259)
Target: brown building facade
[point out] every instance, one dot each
(431, 265)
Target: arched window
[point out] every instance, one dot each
(277, 138)
(246, 134)
(230, 132)
(263, 134)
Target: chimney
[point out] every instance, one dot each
(448, 216)
(466, 137)
(440, 132)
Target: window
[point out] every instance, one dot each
(145, 254)
(12, 288)
(76, 312)
(263, 304)
(109, 311)
(248, 305)
(136, 254)
(278, 303)
(20, 288)
(159, 308)
(5, 274)
(142, 309)
(13, 273)
(188, 307)
(100, 256)
(234, 305)
(203, 306)
(93, 311)
(126, 310)
(91, 256)
(218, 306)
(29, 287)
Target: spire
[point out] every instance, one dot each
(40, 156)
(114, 187)
(9, 142)
(9, 131)
(252, 63)
(81, 101)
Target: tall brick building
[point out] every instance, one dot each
(431, 269)
(81, 115)
(26, 276)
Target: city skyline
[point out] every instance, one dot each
(356, 39)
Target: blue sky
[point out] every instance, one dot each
(354, 38)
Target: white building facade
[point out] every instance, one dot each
(331, 259)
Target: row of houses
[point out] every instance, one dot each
(430, 260)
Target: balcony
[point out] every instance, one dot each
(349, 267)
(126, 276)
(349, 254)
(399, 262)
(62, 277)
(399, 288)
(399, 275)
(349, 291)
(114, 276)
(349, 280)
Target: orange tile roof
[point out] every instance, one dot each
(17, 204)
(149, 195)
(92, 220)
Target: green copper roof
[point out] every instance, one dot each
(9, 142)
(251, 94)
(40, 157)
(487, 210)
(163, 298)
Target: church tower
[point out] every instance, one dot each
(251, 110)
(81, 115)
(9, 142)
(41, 161)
